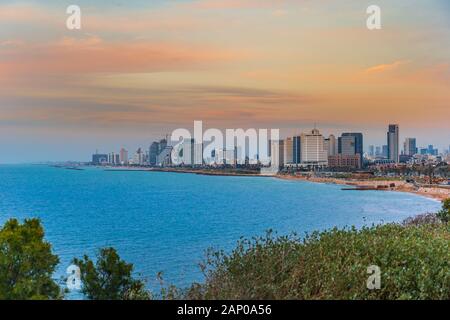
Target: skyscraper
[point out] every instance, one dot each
(297, 150)
(358, 145)
(123, 159)
(153, 153)
(277, 153)
(409, 147)
(330, 145)
(393, 140)
(288, 151)
(313, 152)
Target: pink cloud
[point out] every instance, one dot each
(92, 55)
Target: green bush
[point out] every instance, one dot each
(414, 263)
(444, 214)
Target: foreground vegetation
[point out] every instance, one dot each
(413, 259)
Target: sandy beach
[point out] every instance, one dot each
(431, 191)
(435, 192)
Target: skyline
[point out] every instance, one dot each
(137, 71)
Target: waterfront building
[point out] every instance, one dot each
(393, 138)
(345, 161)
(123, 156)
(277, 153)
(330, 145)
(347, 145)
(288, 150)
(165, 156)
(99, 159)
(409, 147)
(113, 158)
(384, 152)
(139, 157)
(297, 150)
(313, 152)
(353, 147)
(371, 150)
(153, 153)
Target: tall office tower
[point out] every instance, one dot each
(357, 148)
(187, 150)
(371, 150)
(313, 152)
(297, 150)
(153, 153)
(347, 145)
(409, 147)
(277, 153)
(139, 157)
(123, 159)
(112, 158)
(162, 145)
(384, 152)
(330, 146)
(288, 151)
(393, 140)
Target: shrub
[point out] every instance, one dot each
(414, 263)
(444, 214)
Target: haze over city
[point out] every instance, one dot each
(135, 72)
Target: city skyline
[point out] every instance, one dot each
(136, 72)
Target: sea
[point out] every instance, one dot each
(165, 222)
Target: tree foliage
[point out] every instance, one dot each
(110, 278)
(26, 262)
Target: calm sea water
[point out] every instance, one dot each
(165, 221)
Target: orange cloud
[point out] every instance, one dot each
(92, 55)
(387, 67)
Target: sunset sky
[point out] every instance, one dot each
(139, 69)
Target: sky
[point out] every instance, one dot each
(139, 69)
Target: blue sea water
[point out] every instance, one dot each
(166, 221)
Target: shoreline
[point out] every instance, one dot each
(431, 192)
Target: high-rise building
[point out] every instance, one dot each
(139, 157)
(393, 140)
(99, 159)
(153, 153)
(330, 145)
(384, 151)
(347, 145)
(288, 151)
(313, 152)
(297, 150)
(123, 159)
(409, 147)
(350, 147)
(277, 153)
